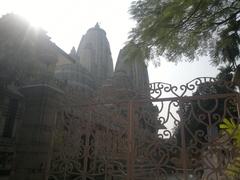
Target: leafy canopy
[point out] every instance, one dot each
(177, 28)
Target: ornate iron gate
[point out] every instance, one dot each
(171, 134)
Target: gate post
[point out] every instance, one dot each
(130, 161)
(183, 141)
(238, 106)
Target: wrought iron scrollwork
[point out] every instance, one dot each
(172, 134)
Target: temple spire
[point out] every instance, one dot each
(95, 55)
(133, 67)
(97, 25)
(73, 53)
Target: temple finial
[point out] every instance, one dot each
(97, 25)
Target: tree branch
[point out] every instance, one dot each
(190, 16)
(229, 18)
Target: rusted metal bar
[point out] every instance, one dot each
(130, 164)
(87, 146)
(182, 98)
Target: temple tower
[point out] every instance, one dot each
(94, 54)
(134, 67)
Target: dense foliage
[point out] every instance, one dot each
(189, 28)
(232, 129)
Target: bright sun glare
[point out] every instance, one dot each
(39, 13)
(65, 21)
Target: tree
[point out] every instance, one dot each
(189, 28)
(225, 73)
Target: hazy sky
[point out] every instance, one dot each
(67, 20)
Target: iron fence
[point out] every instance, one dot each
(171, 134)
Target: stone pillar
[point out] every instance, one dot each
(34, 139)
